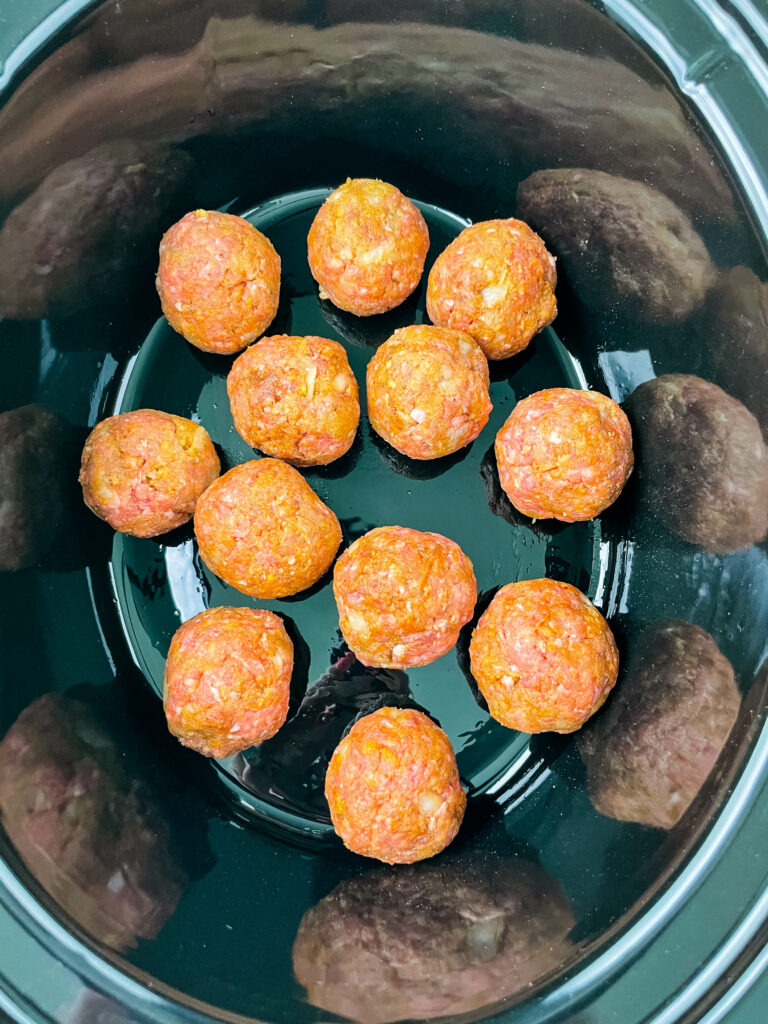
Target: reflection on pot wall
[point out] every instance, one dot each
(92, 225)
(371, 84)
(431, 940)
(652, 749)
(735, 335)
(702, 466)
(89, 830)
(622, 245)
(34, 483)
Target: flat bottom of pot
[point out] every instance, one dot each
(160, 583)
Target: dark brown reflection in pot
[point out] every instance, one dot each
(622, 245)
(702, 466)
(91, 228)
(285, 87)
(38, 470)
(652, 749)
(735, 337)
(432, 939)
(86, 823)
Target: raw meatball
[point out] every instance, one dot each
(735, 321)
(218, 280)
(564, 454)
(86, 825)
(651, 751)
(393, 787)
(496, 281)
(703, 463)
(143, 471)
(543, 657)
(428, 391)
(403, 596)
(227, 680)
(367, 247)
(622, 244)
(295, 398)
(264, 531)
(90, 228)
(439, 939)
(34, 483)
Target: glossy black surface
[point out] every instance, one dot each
(456, 115)
(158, 585)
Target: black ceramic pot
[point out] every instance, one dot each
(618, 875)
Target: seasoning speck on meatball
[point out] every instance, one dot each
(367, 247)
(295, 398)
(403, 596)
(144, 471)
(543, 657)
(218, 280)
(428, 391)
(227, 680)
(393, 787)
(564, 454)
(496, 281)
(263, 530)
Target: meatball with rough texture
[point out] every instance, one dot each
(144, 471)
(403, 596)
(648, 755)
(218, 280)
(543, 657)
(428, 391)
(496, 281)
(295, 398)
(263, 530)
(564, 454)
(622, 244)
(393, 787)
(432, 940)
(703, 466)
(367, 247)
(227, 680)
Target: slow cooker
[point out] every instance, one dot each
(140, 882)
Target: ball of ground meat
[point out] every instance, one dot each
(703, 466)
(87, 826)
(496, 281)
(428, 391)
(437, 939)
(218, 280)
(564, 454)
(295, 398)
(264, 531)
(543, 657)
(227, 680)
(367, 247)
(622, 245)
(35, 480)
(403, 596)
(651, 751)
(393, 787)
(144, 471)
